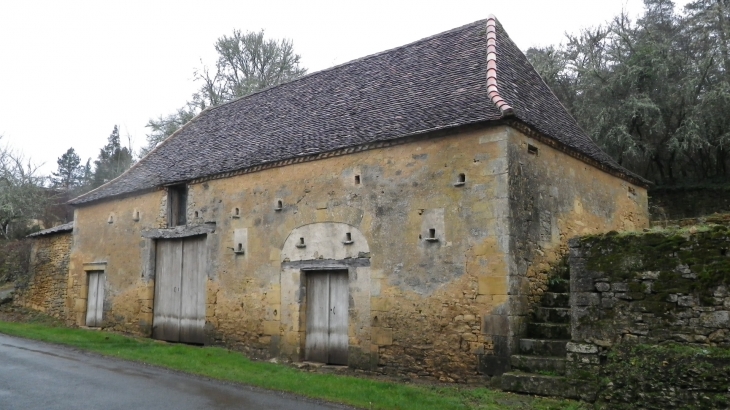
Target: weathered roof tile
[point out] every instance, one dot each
(67, 227)
(435, 83)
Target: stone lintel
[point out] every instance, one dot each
(94, 266)
(328, 264)
(179, 231)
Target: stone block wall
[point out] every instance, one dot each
(45, 285)
(650, 290)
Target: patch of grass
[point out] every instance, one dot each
(222, 364)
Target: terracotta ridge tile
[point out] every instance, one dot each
(492, 87)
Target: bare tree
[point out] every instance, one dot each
(247, 62)
(22, 192)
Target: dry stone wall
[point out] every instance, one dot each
(655, 300)
(45, 286)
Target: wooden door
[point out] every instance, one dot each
(95, 299)
(339, 303)
(168, 279)
(317, 317)
(192, 308)
(179, 312)
(327, 317)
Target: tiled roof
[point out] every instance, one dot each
(436, 83)
(67, 227)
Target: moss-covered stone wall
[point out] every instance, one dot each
(665, 377)
(650, 317)
(652, 287)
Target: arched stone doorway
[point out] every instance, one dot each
(325, 289)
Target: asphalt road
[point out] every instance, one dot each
(35, 375)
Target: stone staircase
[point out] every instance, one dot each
(539, 366)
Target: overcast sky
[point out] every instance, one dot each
(71, 70)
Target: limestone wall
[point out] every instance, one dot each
(108, 237)
(428, 260)
(416, 306)
(659, 301)
(44, 288)
(553, 197)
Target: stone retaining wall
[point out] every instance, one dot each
(648, 289)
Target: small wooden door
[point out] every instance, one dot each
(327, 317)
(179, 312)
(95, 299)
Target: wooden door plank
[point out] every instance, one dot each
(100, 281)
(168, 271)
(91, 300)
(338, 318)
(192, 313)
(317, 317)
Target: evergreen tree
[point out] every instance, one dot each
(69, 173)
(87, 174)
(113, 160)
(654, 93)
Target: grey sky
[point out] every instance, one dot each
(70, 70)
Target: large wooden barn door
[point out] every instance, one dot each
(179, 313)
(327, 313)
(95, 300)
(192, 311)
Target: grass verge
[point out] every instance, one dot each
(222, 364)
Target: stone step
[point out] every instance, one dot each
(552, 299)
(538, 364)
(558, 286)
(552, 315)
(541, 347)
(548, 330)
(542, 385)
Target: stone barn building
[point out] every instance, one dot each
(395, 213)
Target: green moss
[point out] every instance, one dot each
(701, 249)
(666, 376)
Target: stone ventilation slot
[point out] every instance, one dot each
(357, 179)
(279, 205)
(135, 215)
(301, 243)
(632, 193)
(431, 235)
(236, 213)
(531, 149)
(348, 238)
(197, 215)
(111, 219)
(460, 180)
